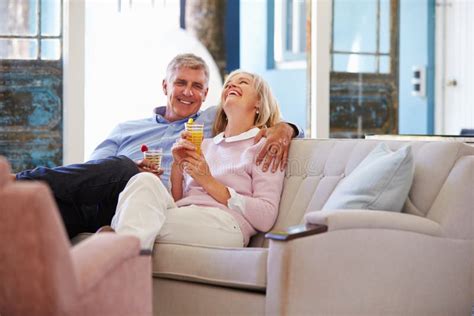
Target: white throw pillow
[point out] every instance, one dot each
(380, 182)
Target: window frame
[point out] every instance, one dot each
(282, 58)
(38, 37)
(377, 54)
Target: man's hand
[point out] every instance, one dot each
(276, 148)
(146, 166)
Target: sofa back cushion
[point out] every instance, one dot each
(380, 182)
(316, 166)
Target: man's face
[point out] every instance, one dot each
(185, 93)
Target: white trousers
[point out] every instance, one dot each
(146, 210)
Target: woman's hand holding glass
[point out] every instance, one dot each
(181, 149)
(196, 166)
(187, 159)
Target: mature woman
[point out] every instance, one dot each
(219, 197)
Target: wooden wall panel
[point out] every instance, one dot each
(31, 113)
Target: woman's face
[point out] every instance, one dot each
(239, 97)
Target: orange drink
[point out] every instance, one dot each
(197, 133)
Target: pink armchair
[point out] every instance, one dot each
(40, 274)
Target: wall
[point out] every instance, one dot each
(289, 86)
(232, 35)
(126, 59)
(416, 48)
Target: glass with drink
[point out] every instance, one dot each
(197, 133)
(154, 156)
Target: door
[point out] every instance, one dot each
(455, 67)
(31, 82)
(364, 71)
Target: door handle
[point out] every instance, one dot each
(452, 83)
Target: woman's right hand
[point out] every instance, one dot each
(181, 147)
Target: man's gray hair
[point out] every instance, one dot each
(188, 61)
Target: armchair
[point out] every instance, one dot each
(40, 274)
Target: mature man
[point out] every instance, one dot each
(87, 194)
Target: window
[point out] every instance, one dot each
(364, 74)
(30, 29)
(361, 36)
(290, 33)
(31, 83)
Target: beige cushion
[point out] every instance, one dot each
(353, 219)
(234, 267)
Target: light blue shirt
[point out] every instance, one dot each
(156, 132)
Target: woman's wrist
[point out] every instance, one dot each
(215, 189)
(206, 181)
(175, 167)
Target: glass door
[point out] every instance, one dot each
(364, 68)
(31, 82)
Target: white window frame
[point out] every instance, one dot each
(318, 123)
(294, 58)
(74, 81)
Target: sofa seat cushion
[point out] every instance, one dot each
(232, 267)
(244, 268)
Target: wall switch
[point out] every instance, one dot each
(418, 81)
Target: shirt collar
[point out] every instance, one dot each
(251, 133)
(160, 115)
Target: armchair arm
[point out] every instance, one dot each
(96, 256)
(370, 219)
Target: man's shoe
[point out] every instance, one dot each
(105, 229)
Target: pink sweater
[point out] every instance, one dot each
(233, 164)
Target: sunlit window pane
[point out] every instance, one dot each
(384, 64)
(50, 17)
(18, 49)
(384, 26)
(18, 17)
(295, 26)
(353, 63)
(50, 49)
(289, 25)
(354, 26)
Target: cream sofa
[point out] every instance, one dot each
(418, 262)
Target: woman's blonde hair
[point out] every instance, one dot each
(269, 111)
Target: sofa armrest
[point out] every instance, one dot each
(98, 255)
(369, 272)
(297, 231)
(370, 219)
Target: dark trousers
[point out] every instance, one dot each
(86, 194)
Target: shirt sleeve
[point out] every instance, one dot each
(236, 201)
(109, 147)
(299, 132)
(261, 209)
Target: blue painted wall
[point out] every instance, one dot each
(289, 86)
(232, 35)
(416, 48)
